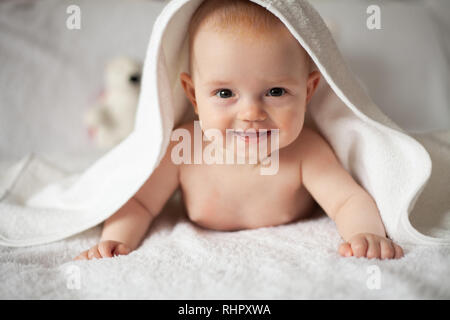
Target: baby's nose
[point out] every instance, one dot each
(252, 112)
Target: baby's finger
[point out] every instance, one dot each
(387, 249)
(345, 249)
(373, 251)
(121, 249)
(105, 248)
(93, 253)
(398, 251)
(359, 247)
(82, 256)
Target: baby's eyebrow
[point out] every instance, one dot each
(285, 80)
(217, 83)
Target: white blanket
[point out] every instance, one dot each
(178, 260)
(40, 204)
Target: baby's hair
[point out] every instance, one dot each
(234, 16)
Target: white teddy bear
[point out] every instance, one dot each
(111, 119)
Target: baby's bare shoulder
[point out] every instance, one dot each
(312, 145)
(187, 125)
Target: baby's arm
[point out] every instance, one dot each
(125, 229)
(352, 209)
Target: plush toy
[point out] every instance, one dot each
(111, 118)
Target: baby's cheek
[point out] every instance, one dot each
(291, 124)
(219, 122)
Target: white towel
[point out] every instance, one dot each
(40, 204)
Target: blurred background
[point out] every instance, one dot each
(51, 76)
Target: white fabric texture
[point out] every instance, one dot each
(42, 204)
(178, 260)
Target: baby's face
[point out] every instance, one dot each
(242, 82)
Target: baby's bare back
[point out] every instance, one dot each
(237, 196)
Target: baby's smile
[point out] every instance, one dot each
(252, 135)
(238, 146)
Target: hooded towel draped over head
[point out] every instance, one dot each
(39, 204)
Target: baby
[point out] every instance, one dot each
(249, 73)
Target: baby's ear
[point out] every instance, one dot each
(189, 89)
(312, 84)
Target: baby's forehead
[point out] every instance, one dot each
(236, 18)
(243, 27)
(242, 21)
(279, 37)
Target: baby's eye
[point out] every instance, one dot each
(276, 92)
(224, 93)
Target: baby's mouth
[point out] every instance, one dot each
(252, 135)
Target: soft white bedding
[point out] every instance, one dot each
(177, 259)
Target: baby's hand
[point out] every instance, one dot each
(370, 246)
(105, 249)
